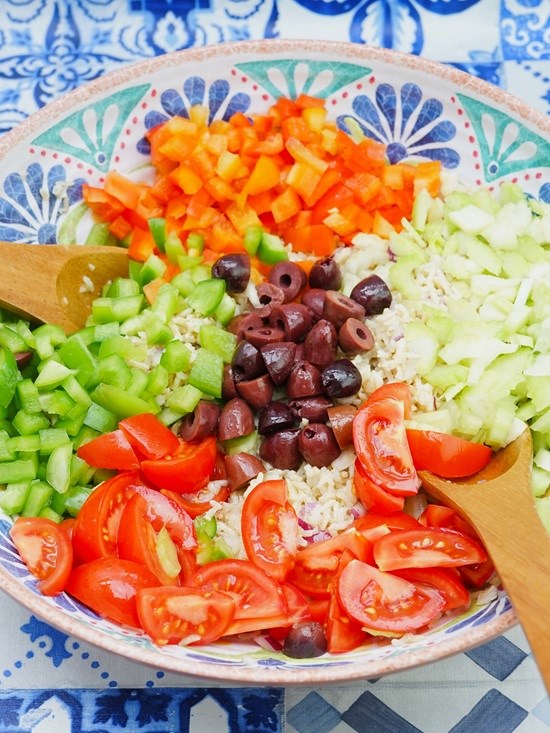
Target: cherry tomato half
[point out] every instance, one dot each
(381, 445)
(447, 455)
(383, 603)
(426, 548)
(46, 550)
(269, 528)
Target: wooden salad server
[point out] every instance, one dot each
(53, 283)
(498, 502)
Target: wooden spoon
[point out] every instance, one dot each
(498, 502)
(45, 282)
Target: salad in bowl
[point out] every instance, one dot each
(221, 466)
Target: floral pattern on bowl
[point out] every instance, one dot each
(420, 109)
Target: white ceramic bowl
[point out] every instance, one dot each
(416, 107)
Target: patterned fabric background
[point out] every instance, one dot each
(52, 683)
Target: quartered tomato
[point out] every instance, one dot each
(381, 445)
(373, 496)
(149, 436)
(259, 598)
(426, 548)
(393, 521)
(317, 564)
(196, 504)
(399, 391)
(186, 470)
(445, 580)
(46, 550)
(111, 450)
(383, 603)
(343, 633)
(477, 575)
(96, 527)
(435, 515)
(447, 455)
(109, 586)
(269, 528)
(186, 615)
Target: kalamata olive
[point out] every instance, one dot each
(23, 359)
(281, 449)
(373, 294)
(228, 384)
(294, 318)
(200, 423)
(234, 269)
(289, 277)
(338, 308)
(321, 343)
(355, 337)
(341, 422)
(305, 640)
(318, 445)
(247, 362)
(270, 296)
(248, 322)
(315, 299)
(279, 359)
(242, 468)
(313, 409)
(299, 353)
(341, 378)
(325, 274)
(257, 392)
(275, 416)
(236, 420)
(304, 381)
(261, 336)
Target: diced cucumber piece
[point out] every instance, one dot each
(39, 496)
(14, 496)
(244, 444)
(29, 423)
(58, 468)
(22, 469)
(9, 376)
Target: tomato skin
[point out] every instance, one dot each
(46, 550)
(370, 596)
(477, 575)
(269, 528)
(435, 515)
(109, 587)
(111, 450)
(444, 580)
(96, 527)
(258, 597)
(149, 436)
(393, 521)
(381, 445)
(399, 391)
(194, 507)
(171, 615)
(343, 633)
(426, 548)
(447, 455)
(317, 564)
(186, 470)
(372, 496)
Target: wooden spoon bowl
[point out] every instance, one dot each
(498, 503)
(56, 283)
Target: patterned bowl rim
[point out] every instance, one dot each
(217, 672)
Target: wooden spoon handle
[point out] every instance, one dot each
(523, 564)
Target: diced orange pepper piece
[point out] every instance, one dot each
(266, 175)
(315, 239)
(285, 205)
(123, 189)
(186, 178)
(428, 176)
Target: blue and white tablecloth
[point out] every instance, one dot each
(53, 683)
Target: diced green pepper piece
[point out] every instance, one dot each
(244, 444)
(28, 396)
(184, 282)
(137, 383)
(24, 443)
(201, 272)
(9, 376)
(106, 310)
(72, 424)
(51, 438)
(152, 268)
(81, 473)
(119, 402)
(57, 402)
(52, 375)
(76, 355)
(252, 238)
(157, 380)
(47, 337)
(104, 331)
(77, 392)
(187, 262)
(100, 418)
(77, 495)
(123, 287)
(157, 227)
(206, 296)
(58, 468)
(176, 357)
(173, 247)
(195, 243)
(271, 249)
(39, 496)
(124, 347)
(226, 309)
(184, 399)
(100, 236)
(27, 423)
(6, 454)
(14, 496)
(21, 469)
(48, 513)
(168, 417)
(22, 328)
(113, 370)
(218, 341)
(166, 302)
(134, 270)
(155, 329)
(207, 373)
(11, 339)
